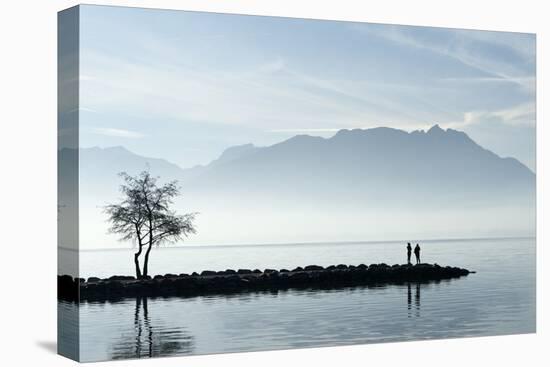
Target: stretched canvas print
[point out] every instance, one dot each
(232, 183)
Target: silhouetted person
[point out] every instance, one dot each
(409, 251)
(417, 253)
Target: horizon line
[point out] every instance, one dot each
(454, 239)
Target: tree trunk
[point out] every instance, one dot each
(146, 261)
(136, 262)
(136, 255)
(150, 245)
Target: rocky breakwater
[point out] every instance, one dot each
(245, 280)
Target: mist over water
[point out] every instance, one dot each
(359, 184)
(271, 220)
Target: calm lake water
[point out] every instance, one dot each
(499, 299)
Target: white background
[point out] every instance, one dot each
(28, 180)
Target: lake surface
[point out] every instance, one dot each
(498, 299)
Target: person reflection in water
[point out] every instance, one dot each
(409, 250)
(409, 298)
(416, 300)
(417, 253)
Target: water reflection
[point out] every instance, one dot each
(416, 300)
(150, 341)
(308, 317)
(68, 332)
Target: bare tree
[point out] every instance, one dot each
(144, 216)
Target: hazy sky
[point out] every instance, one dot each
(184, 85)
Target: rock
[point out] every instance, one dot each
(341, 267)
(167, 282)
(121, 277)
(208, 273)
(245, 282)
(93, 279)
(114, 286)
(65, 278)
(283, 271)
(267, 271)
(251, 278)
(313, 267)
(244, 271)
(186, 283)
(273, 276)
(194, 274)
(256, 271)
(298, 277)
(67, 288)
(299, 268)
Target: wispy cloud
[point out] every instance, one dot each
(464, 46)
(509, 132)
(119, 133)
(520, 115)
(522, 44)
(266, 96)
(523, 114)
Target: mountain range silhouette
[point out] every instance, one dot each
(354, 167)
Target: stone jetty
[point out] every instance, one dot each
(246, 280)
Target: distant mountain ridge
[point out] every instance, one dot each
(361, 165)
(377, 163)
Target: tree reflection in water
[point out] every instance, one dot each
(149, 341)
